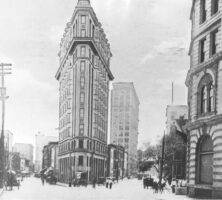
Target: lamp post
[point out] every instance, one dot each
(3, 71)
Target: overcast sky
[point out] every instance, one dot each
(149, 41)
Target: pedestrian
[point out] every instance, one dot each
(107, 183)
(43, 179)
(110, 183)
(94, 182)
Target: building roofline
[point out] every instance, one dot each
(128, 83)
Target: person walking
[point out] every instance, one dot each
(110, 183)
(94, 182)
(43, 179)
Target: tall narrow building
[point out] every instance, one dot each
(204, 82)
(125, 120)
(84, 75)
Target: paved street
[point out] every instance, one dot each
(32, 189)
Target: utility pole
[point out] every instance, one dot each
(162, 159)
(4, 70)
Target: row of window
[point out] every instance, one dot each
(65, 120)
(99, 121)
(65, 93)
(65, 134)
(65, 107)
(99, 135)
(203, 9)
(214, 45)
(70, 146)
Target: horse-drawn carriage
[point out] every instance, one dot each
(11, 180)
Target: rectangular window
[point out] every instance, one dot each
(83, 19)
(203, 12)
(81, 129)
(214, 6)
(214, 42)
(82, 66)
(81, 113)
(202, 50)
(81, 144)
(83, 51)
(82, 82)
(83, 33)
(82, 97)
(80, 160)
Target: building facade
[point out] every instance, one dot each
(125, 121)
(173, 113)
(50, 157)
(25, 150)
(84, 75)
(204, 82)
(115, 164)
(40, 141)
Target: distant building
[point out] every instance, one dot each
(177, 116)
(15, 161)
(25, 150)
(125, 120)
(50, 156)
(40, 141)
(115, 164)
(8, 139)
(84, 75)
(173, 113)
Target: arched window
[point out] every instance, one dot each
(206, 95)
(204, 99)
(211, 98)
(205, 161)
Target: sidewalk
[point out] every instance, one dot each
(1, 192)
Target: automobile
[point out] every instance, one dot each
(51, 179)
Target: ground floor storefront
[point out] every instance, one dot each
(69, 165)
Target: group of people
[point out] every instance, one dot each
(154, 183)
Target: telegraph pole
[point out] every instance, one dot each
(162, 159)
(4, 70)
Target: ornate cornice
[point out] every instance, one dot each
(213, 61)
(203, 122)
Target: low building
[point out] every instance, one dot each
(50, 156)
(115, 164)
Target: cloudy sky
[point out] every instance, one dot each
(149, 41)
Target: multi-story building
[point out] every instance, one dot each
(25, 150)
(173, 113)
(50, 156)
(115, 164)
(125, 120)
(204, 82)
(84, 75)
(40, 141)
